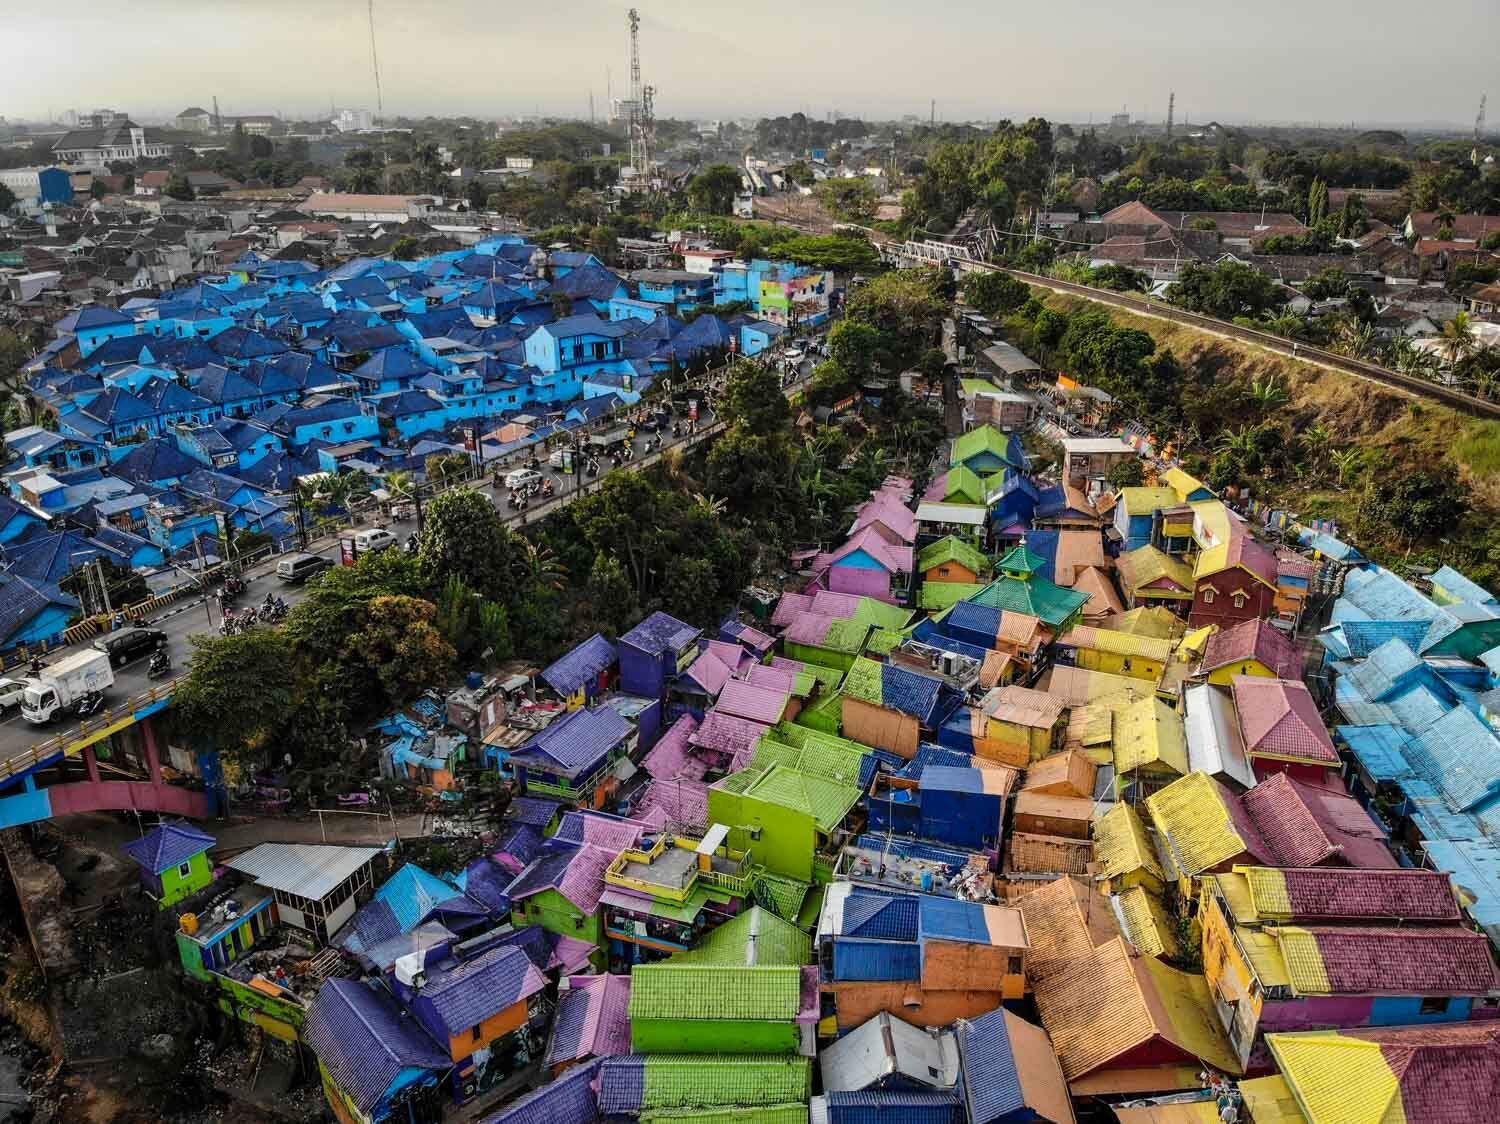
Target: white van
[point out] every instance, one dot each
(373, 538)
(522, 478)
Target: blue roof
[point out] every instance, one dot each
(660, 632)
(1460, 587)
(392, 363)
(21, 600)
(89, 317)
(953, 778)
(168, 846)
(412, 893)
(878, 1106)
(544, 873)
(910, 692)
(1364, 636)
(876, 916)
(1461, 756)
(622, 1084)
(365, 1041)
(585, 325)
(1384, 671)
(991, 1081)
(532, 810)
(930, 756)
(1380, 749)
(980, 622)
(948, 919)
(471, 991)
(243, 343)
(485, 880)
(221, 384)
(568, 1100)
(584, 664)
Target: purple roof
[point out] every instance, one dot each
(517, 847)
(571, 1099)
(574, 744)
(532, 810)
(757, 704)
(168, 846)
(593, 1019)
(364, 1040)
(467, 993)
(724, 733)
(485, 880)
(583, 665)
(660, 632)
(680, 802)
(622, 1084)
(598, 828)
(775, 678)
(790, 607)
(709, 672)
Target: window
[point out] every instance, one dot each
(1125, 664)
(1436, 1005)
(476, 1031)
(1208, 596)
(578, 922)
(1239, 598)
(184, 870)
(1015, 967)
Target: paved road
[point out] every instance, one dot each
(190, 618)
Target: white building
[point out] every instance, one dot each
(370, 208)
(122, 139)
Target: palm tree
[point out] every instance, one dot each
(1316, 439)
(1345, 461)
(542, 566)
(711, 506)
(1267, 394)
(1241, 441)
(1288, 324)
(1457, 338)
(1355, 338)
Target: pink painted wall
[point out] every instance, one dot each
(862, 583)
(1316, 1012)
(86, 796)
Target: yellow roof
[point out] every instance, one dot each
(1338, 1080)
(1182, 484)
(1077, 686)
(1236, 890)
(1121, 845)
(1140, 567)
(1148, 733)
(1090, 724)
(1146, 922)
(1270, 1101)
(1118, 643)
(1149, 620)
(1195, 641)
(1145, 499)
(1265, 957)
(1196, 1112)
(1268, 893)
(1213, 521)
(1192, 815)
(1304, 962)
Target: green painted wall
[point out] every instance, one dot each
(787, 838)
(726, 1036)
(809, 653)
(175, 886)
(557, 914)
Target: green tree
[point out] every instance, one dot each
(462, 535)
(319, 625)
(1457, 339)
(857, 347)
(399, 643)
(1419, 505)
(603, 244)
(609, 592)
(7, 199)
(1127, 474)
(1226, 290)
(753, 399)
(237, 692)
(178, 187)
(995, 294)
(713, 190)
(1317, 202)
(406, 248)
(494, 631)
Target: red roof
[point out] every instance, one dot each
(1254, 640)
(1340, 893)
(1448, 1074)
(1413, 961)
(1302, 825)
(1278, 718)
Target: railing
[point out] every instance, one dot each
(89, 731)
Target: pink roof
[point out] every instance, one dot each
(611, 833)
(1254, 640)
(584, 880)
(758, 704)
(1303, 825)
(709, 672)
(763, 675)
(1279, 718)
(755, 640)
(938, 489)
(888, 508)
(1245, 550)
(875, 541)
(606, 1025)
(571, 954)
(829, 604)
(730, 655)
(724, 733)
(680, 802)
(807, 628)
(790, 605)
(671, 756)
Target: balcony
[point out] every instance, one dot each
(674, 866)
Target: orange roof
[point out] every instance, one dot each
(1075, 551)
(1062, 774)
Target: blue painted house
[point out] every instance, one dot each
(674, 288)
(34, 612)
(94, 324)
(654, 652)
(585, 672)
(571, 759)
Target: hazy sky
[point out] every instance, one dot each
(1263, 60)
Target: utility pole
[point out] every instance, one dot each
(1171, 107)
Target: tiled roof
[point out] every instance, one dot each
(582, 665)
(680, 804)
(1141, 567)
(660, 631)
(756, 936)
(1303, 825)
(691, 991)
(1047, 854)
(593, 1019)
(1146, 923)
(1034, 595)
(165, 847)
(1196, 817)
(1279, 719)
(751, 703)
(569, 1098)
(365, 1040)
(670, 759)
(724, 733)
(576, 741)
(1412, 961)
(701, 1082)
(1380, 1075)
(1148, 734)
(1254, 640)
(1022, 706)
(532, 810)
(1121, 845)
(468, 993)
(828, 802)
(1339, 893)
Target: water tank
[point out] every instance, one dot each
(189, 923)
(474, 680)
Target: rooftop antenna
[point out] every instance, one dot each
(932, 115)
(1171, 106)
(591, 107)
(385, 150)
(1479, 120)
(639, 156)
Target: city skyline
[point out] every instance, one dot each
(1062, 64)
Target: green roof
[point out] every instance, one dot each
(864, 682)
(873, 611)
(884, 640)
(965, 482)
(714, 991)
(1034, 595)
(739, 781)
(725, 1080)
(782, 895)
(753, 1114)
(826, 801)
(1021, 560)
(821, 756)
(755, 937)
(939, 596)
(844, 636)
(953, 549)
(985, 439)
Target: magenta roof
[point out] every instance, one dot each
(1254, 640)
(584, 880)
(1278, 717)
(937, 489)
(764, 675)
(724, 733)
(709, 672)
(879, 545)
(790, 606)
(681, 802)
(830, 604)
(731, 655)
(888, 508)
(1303, 825)
(808, 628)
(758, 704)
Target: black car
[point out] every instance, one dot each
(130, 644)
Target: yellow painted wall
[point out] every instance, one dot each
(1139, 667)
(1223, 675)
(1229, 976)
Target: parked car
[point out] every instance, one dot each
(130, 644)
(297, 568)
(522, 478)
(372, 539)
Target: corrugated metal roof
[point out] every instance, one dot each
(690, 991)
(885, 1048)
(311, 870)
(365, 1040)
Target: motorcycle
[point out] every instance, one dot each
(413, 544)
(91, 702)
(160, 664)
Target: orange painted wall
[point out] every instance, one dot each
(496, 1026)
(857, 1003)
(951, 965)
(951, 572)
(877, 726)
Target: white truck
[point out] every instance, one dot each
(60, 686)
